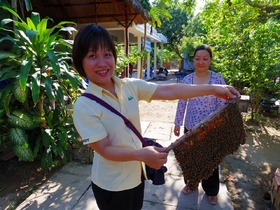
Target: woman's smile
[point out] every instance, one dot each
(99, 66)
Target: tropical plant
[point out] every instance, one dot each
(123, 59)
(36, 76)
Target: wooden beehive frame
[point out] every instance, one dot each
(203, 148)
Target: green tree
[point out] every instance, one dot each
(245, 46)
(170, 18)
(265, 8)
(160, 9)
(173, 30)
(194, 35)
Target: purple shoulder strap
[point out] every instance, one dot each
(112, 109)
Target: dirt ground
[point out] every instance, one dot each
(247, 173)
(18, 179)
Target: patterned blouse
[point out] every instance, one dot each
(198, 108)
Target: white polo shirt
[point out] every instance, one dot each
(94, 122)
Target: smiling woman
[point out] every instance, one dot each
(115, 147)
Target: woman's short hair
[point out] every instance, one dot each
(203, 47)
(90, 37)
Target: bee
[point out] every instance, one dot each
(205, 147)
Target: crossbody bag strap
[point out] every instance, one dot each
(127, 122)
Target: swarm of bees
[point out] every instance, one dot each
(202, 149)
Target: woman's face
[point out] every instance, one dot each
(202, 60)
(99, 66)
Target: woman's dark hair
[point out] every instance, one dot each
(203, 47)
(90, 37)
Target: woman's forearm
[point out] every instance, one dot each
(184, 91)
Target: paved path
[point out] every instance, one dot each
(70, 187)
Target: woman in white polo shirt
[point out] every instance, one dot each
(117, 175)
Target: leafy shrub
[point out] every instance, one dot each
(35, 77)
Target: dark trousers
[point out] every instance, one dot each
(211, 185)
(131, 199)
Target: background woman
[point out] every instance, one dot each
(197, 109)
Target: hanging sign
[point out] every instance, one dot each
(148, 46)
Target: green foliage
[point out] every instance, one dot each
(24, 120)
(36, 74)
(245, 46)
(160, 10)
(172, 58)
(145, 4)
(28, 5)
(174, 30)
(57, 137)
(4, 14)
(19, 139)
(194, 35)
(265, 8)
(124, 60)
(243, 36)
(157, 14)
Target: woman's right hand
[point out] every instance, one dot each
(177, 130)
(154, 157)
